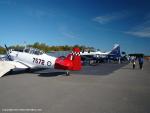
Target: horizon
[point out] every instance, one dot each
(94, 23)
(24, 45)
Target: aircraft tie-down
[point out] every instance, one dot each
(30, 58)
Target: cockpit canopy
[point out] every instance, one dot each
(33, 51)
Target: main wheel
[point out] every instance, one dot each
(67, 73)
(11, 71)
(28, 70)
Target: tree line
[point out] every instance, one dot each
(46, 48)
(2, 50)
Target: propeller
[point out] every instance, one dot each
(7, 53)
(6, 48)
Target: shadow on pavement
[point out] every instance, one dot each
(51, 74)
(99, 70)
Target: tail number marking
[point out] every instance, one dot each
(38, 61)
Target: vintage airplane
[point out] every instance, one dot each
(114, 51)
(112, 55)
(31, 58)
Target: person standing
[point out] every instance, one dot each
(133, 62)
(141, 61)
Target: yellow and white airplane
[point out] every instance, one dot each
(31, 58)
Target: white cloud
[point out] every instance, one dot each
(140, 33)
(104, 19)
(141, 30)
(39, 13)
(68, 34)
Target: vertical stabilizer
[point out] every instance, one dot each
(116, 50)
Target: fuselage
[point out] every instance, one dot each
(34, 59)
(30, 58)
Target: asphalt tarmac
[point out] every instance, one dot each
(106, 88)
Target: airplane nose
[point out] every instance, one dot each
(63, 64)
(10, 51)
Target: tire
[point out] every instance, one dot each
(67, 73)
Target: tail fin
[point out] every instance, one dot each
(75, 58)
(116, 50)
(71, 62)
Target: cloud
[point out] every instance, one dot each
(66, 32)
(104, 19)
(69, 34)
(141, 33)
(141, 30)
(39, 13)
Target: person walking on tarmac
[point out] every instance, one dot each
(133, 62)
(141, 61)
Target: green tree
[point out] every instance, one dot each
(2, 50)
(46, 48)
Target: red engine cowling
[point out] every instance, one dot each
(71, 62)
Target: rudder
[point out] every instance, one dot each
(75, 58)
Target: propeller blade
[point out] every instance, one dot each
(7, 53)
(6, 47)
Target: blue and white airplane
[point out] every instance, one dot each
(113, 54)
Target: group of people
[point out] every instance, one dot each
(140, 61)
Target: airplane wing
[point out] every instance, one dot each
(6, 66)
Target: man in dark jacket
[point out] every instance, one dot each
(141, 61)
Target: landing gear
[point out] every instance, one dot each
(67, 73)
(28, 70)
(11, 71)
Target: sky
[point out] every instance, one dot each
(96, 23)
